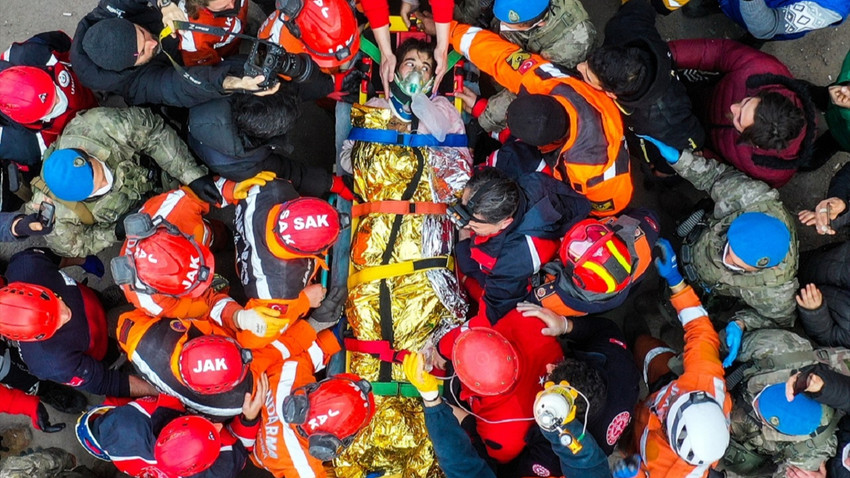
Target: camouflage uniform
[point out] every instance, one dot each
(769, 293)
(48, 463)
(118, 137)
(770, 350)
(566, 38)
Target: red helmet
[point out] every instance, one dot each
(302, 227)
(213, 364)
(327, 29)
(599, 261)
(330, 412)
(163, 260)
(485, 361)
(29, 312)
(186, 446)
(27, 93)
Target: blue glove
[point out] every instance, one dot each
(666, 263)
(93, 265)
(627, 467)
(733, 342)
(669, 153)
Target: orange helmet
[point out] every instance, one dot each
(324, 29)
(599, 261)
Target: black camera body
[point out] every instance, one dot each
(270, 60)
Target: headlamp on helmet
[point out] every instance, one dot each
(330, 413)
(160, 259)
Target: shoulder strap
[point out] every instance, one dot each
(81, 210)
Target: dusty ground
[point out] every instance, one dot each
(816, 58)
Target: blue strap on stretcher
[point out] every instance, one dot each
(387, 136)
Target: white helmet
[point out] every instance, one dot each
(697, 428)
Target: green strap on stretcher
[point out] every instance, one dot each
(396, 389)
(373, 52)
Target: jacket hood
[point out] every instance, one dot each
(659, 75)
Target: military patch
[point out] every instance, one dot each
(513, 16)
(602, 206)
(124, 333)
(517, 58)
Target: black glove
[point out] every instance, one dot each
(120, 233)
(331, 308)
(204, 188)
(44, 421)
(23, 228)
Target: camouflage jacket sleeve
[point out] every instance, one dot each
(770, 307)
(730, 189)
(70, 237)
(148, 134)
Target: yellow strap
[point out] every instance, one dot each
(399, 269)
(81, 210)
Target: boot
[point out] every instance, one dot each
(701, 8)
(62, 397)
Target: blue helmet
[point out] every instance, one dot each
(519, 11)
(758, 239)
(68, 173)
(801, 416)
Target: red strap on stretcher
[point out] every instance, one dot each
(381, 350)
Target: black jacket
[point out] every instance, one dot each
(214, 137)
(835, 467)
(546, 210)
(661, 108)
(156, 82)
(829, 269)
(63, 357)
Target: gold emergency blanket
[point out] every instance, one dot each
(396, 440)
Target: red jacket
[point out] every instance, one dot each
(739, 63)
(16, 402)
(206, 49)
(505, 441)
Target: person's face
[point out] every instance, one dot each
(146, 45)
(478, 225)
(521, 27)
(744, 113)
(221, 5)
(64, 313)
(731, 258)
(99, 177)
(589, 76)
(416, 60)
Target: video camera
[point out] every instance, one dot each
(270, 60)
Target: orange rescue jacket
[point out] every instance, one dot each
(594, 160)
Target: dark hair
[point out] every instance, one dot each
(416, 44)
(777, 121)
(621, 71)
(264, 117)
(499, 200)
(586, 380)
